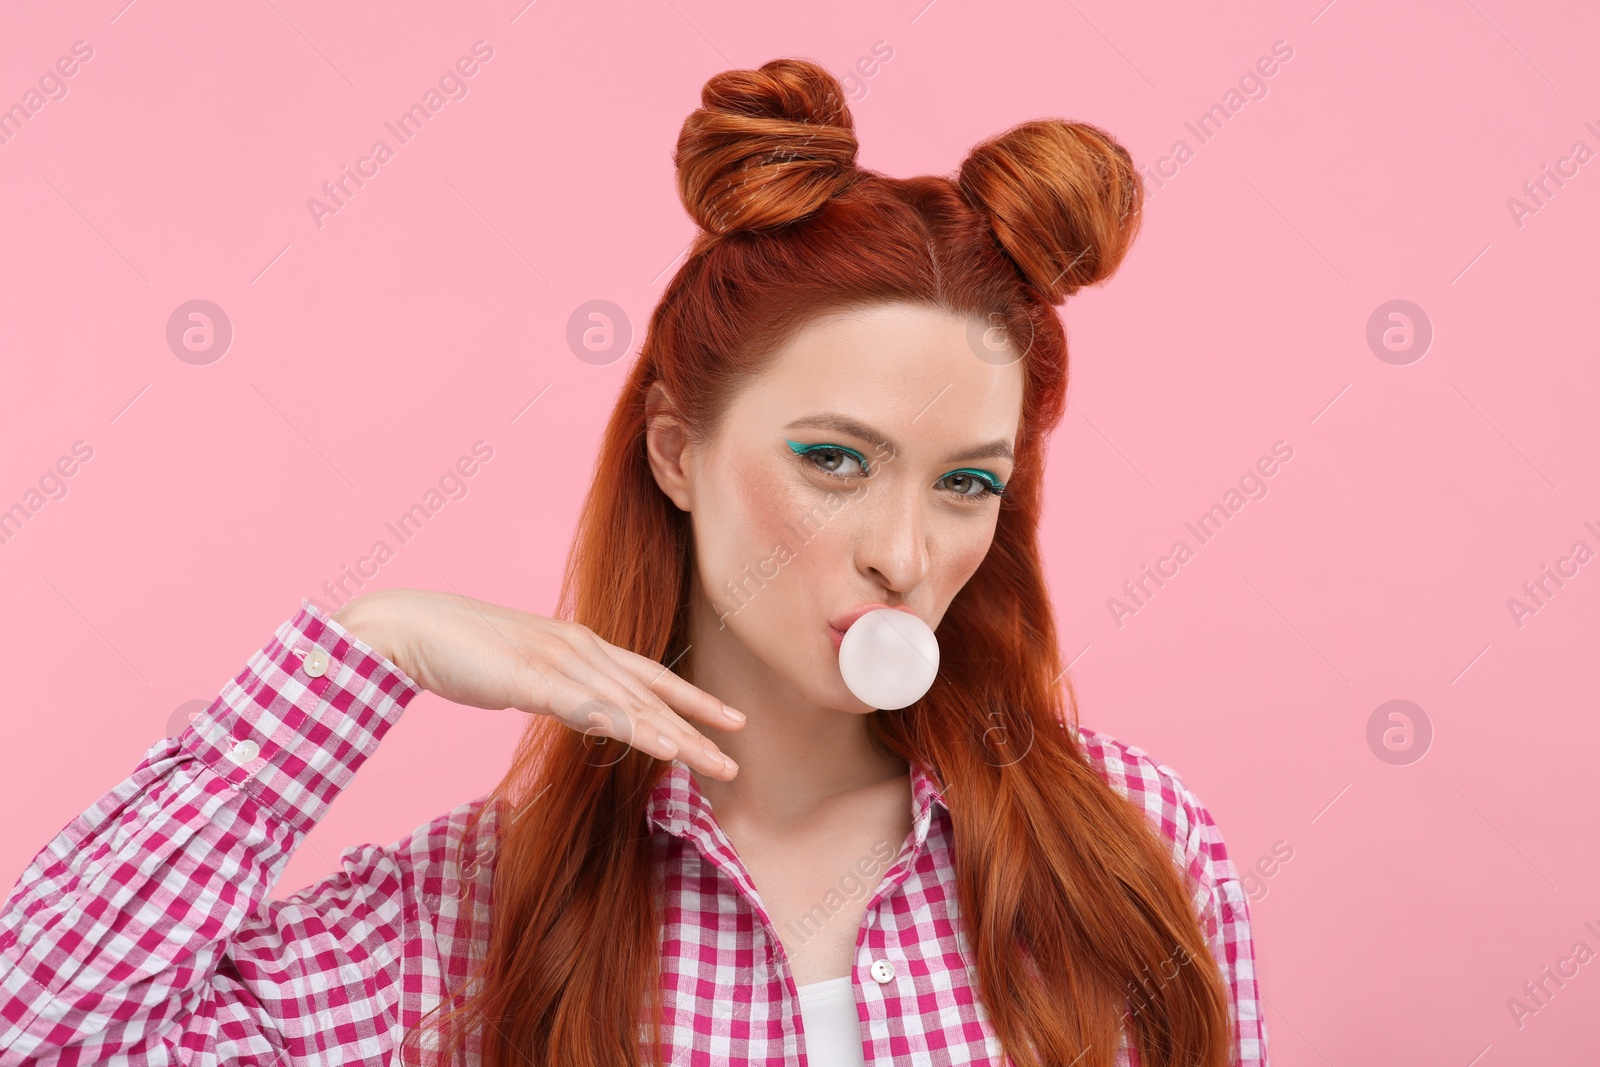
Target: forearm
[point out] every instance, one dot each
(373, 618)
(120, 934)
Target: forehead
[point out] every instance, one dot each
(910, 370)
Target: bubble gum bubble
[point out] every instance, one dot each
(889, 658)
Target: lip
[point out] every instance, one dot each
(839, 624)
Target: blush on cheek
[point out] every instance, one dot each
(762, 507)
(768, 506)
(747, 534)
(965, 563)
(796, 537)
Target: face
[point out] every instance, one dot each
(859, 469)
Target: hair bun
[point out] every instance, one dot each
(766, 147)
(1064, 200)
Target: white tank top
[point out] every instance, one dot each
(833, 1031)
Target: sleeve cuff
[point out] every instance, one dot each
(294, 726)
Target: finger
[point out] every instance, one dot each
(694, 747)
(608, 720)
(687, 698)
(641, 719)
(639, 672)
(590, 689)
(712, 759)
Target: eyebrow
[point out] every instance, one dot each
(829, 420)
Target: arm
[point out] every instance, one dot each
(141, 927)
(1224, 912)
(1219, 899)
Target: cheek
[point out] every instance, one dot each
(768, 503)
(961, 559)
(770, 545)
(750, 529)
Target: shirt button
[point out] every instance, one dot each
(244, 751)
(316, 664)
(882, 971)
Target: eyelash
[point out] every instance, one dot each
(803, 453)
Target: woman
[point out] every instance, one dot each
(841, 403)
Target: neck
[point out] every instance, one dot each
(794, 755)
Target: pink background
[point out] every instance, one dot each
(368, 354)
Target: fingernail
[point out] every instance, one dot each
(733, 716)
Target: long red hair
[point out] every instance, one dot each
(1071, 896)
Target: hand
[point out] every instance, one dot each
(486, 656)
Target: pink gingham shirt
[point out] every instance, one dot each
(143, 934)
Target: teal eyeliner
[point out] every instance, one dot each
(995, 485)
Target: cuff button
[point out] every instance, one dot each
(316, 664)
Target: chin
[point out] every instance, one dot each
(820, 684)
(843, 700)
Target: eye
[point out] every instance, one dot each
(988, 484)
(831, 457)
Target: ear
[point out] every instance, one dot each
(667, 444)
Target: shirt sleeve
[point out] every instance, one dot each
(1218, 897)
(1224, 911)
(140, 934)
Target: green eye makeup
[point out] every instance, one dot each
(995, 484)
(992, 485)
(803, 450)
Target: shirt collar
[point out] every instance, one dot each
(678, 807)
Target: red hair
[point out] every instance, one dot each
(1071, 894)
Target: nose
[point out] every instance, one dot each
(891, 542)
